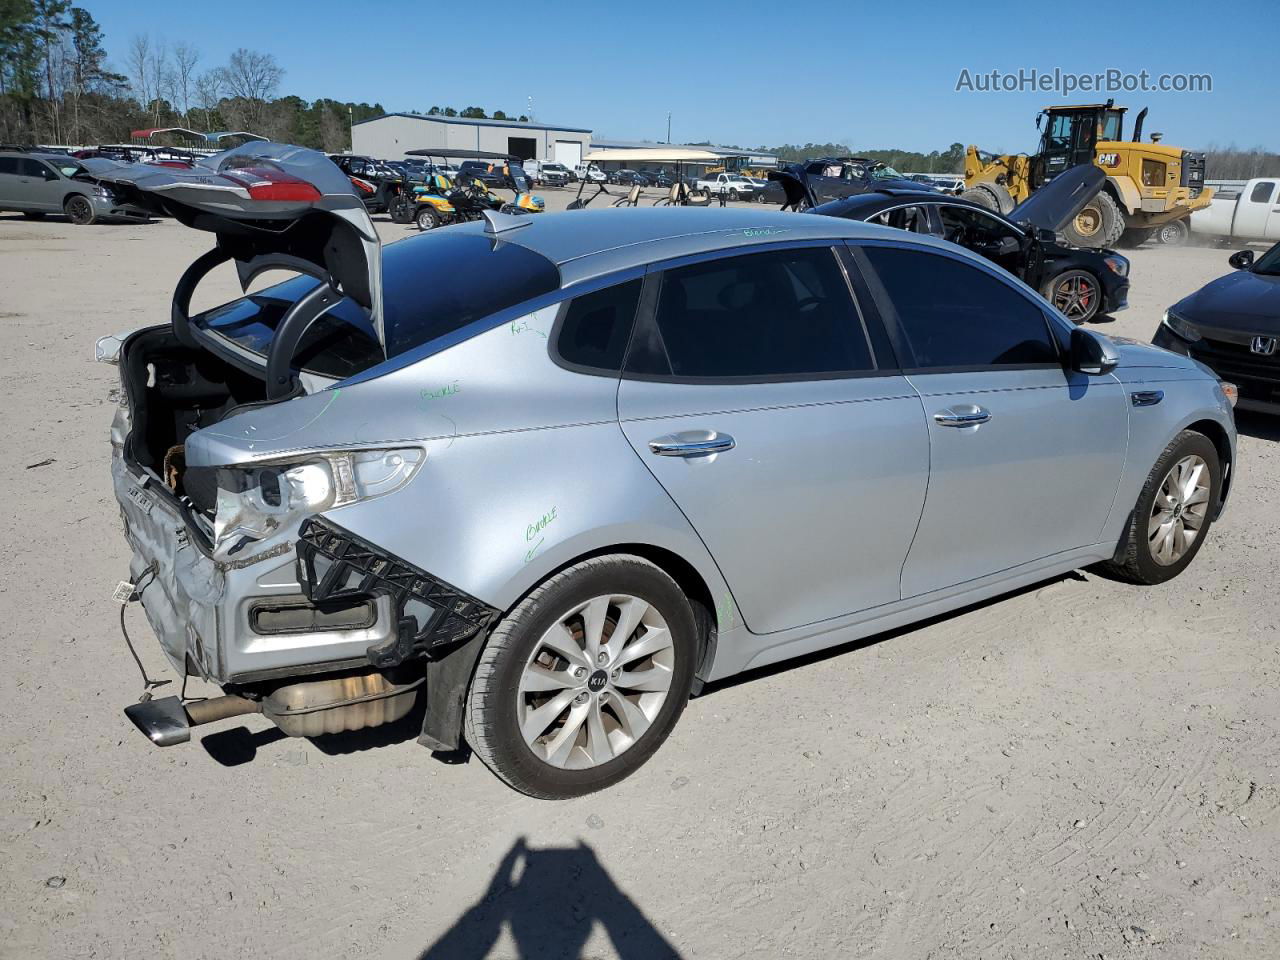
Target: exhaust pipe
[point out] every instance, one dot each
(168, 721)
(309, 708)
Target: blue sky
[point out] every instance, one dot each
(870, 75)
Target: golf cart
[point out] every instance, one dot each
(440, 200)
(679, 194)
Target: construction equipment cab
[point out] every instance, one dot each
(1151, 188)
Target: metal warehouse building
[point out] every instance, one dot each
(389, 136)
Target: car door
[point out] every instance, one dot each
(1025, 457)
(10, 192)
(756, 396)
(43, 185)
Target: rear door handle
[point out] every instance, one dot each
(674, 445)
(966, 415)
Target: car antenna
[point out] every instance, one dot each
(496, 222)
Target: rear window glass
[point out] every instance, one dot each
(597, 326)
(432, 285)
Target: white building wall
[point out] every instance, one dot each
(389, 137)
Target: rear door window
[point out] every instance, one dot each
(594, 328)
(949, 314)
(783, 314)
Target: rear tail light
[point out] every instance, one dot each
(364, 186)
(269, 183)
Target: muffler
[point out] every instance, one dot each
(308, 708)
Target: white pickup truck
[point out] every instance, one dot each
(733, 185)
(1250, 213)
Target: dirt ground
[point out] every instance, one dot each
(1082, 769)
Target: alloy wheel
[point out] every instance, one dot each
(595, 682)
(1180, 509)
(1075, 297)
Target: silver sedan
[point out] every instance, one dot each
(559, 472)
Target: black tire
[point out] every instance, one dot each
(400, 209)
(78, 210)
(1174, 233)
(1076, 293)
(33, 215)
(1134, 561)
(1098, 225)
(1135, 236)
(733, 194)
(983, 197)
(492, 718)
(427, 218)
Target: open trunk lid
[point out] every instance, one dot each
(1055, 204)
(270, 206)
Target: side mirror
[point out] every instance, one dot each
(1092, 353)
(1241, 259)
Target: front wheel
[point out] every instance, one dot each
(1173, 514)
(1076, 293)
(427, 218)
(79, 210)
(584, 679)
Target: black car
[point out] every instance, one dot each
(626, 178)
(833, 178)
(483, 170)
(1080, 283)
(382, 188)
(1232, 326)
(659, 178)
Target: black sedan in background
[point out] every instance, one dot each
(1081, 283)
(1232, 326)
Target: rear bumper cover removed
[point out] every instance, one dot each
(429, 614)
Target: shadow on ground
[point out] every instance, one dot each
(1260, 426)
(550, 901)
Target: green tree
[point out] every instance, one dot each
(473, 113)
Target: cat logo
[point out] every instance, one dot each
(1108, 159)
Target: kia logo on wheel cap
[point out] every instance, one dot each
(597, 681)
(1264, 346)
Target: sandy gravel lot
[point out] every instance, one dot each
(1082, 769)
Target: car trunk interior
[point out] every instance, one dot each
(175, 390)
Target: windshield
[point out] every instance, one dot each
(432, 286)
(68, 169)
(885, 173)
(1269, 263)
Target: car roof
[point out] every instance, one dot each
(874, 201)
(588, 243)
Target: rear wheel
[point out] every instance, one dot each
(1076, 293)
(33, 215)
(1173, 514)
(1174, 233)
(427, 218)
(733, 194)
(1098, 225)
(584, 679)
(78, 210)
(400, 209)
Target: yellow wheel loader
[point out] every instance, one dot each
(1151, 188)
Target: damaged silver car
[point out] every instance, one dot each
(549, 475)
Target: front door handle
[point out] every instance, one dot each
(693, 444)
(966, 415)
